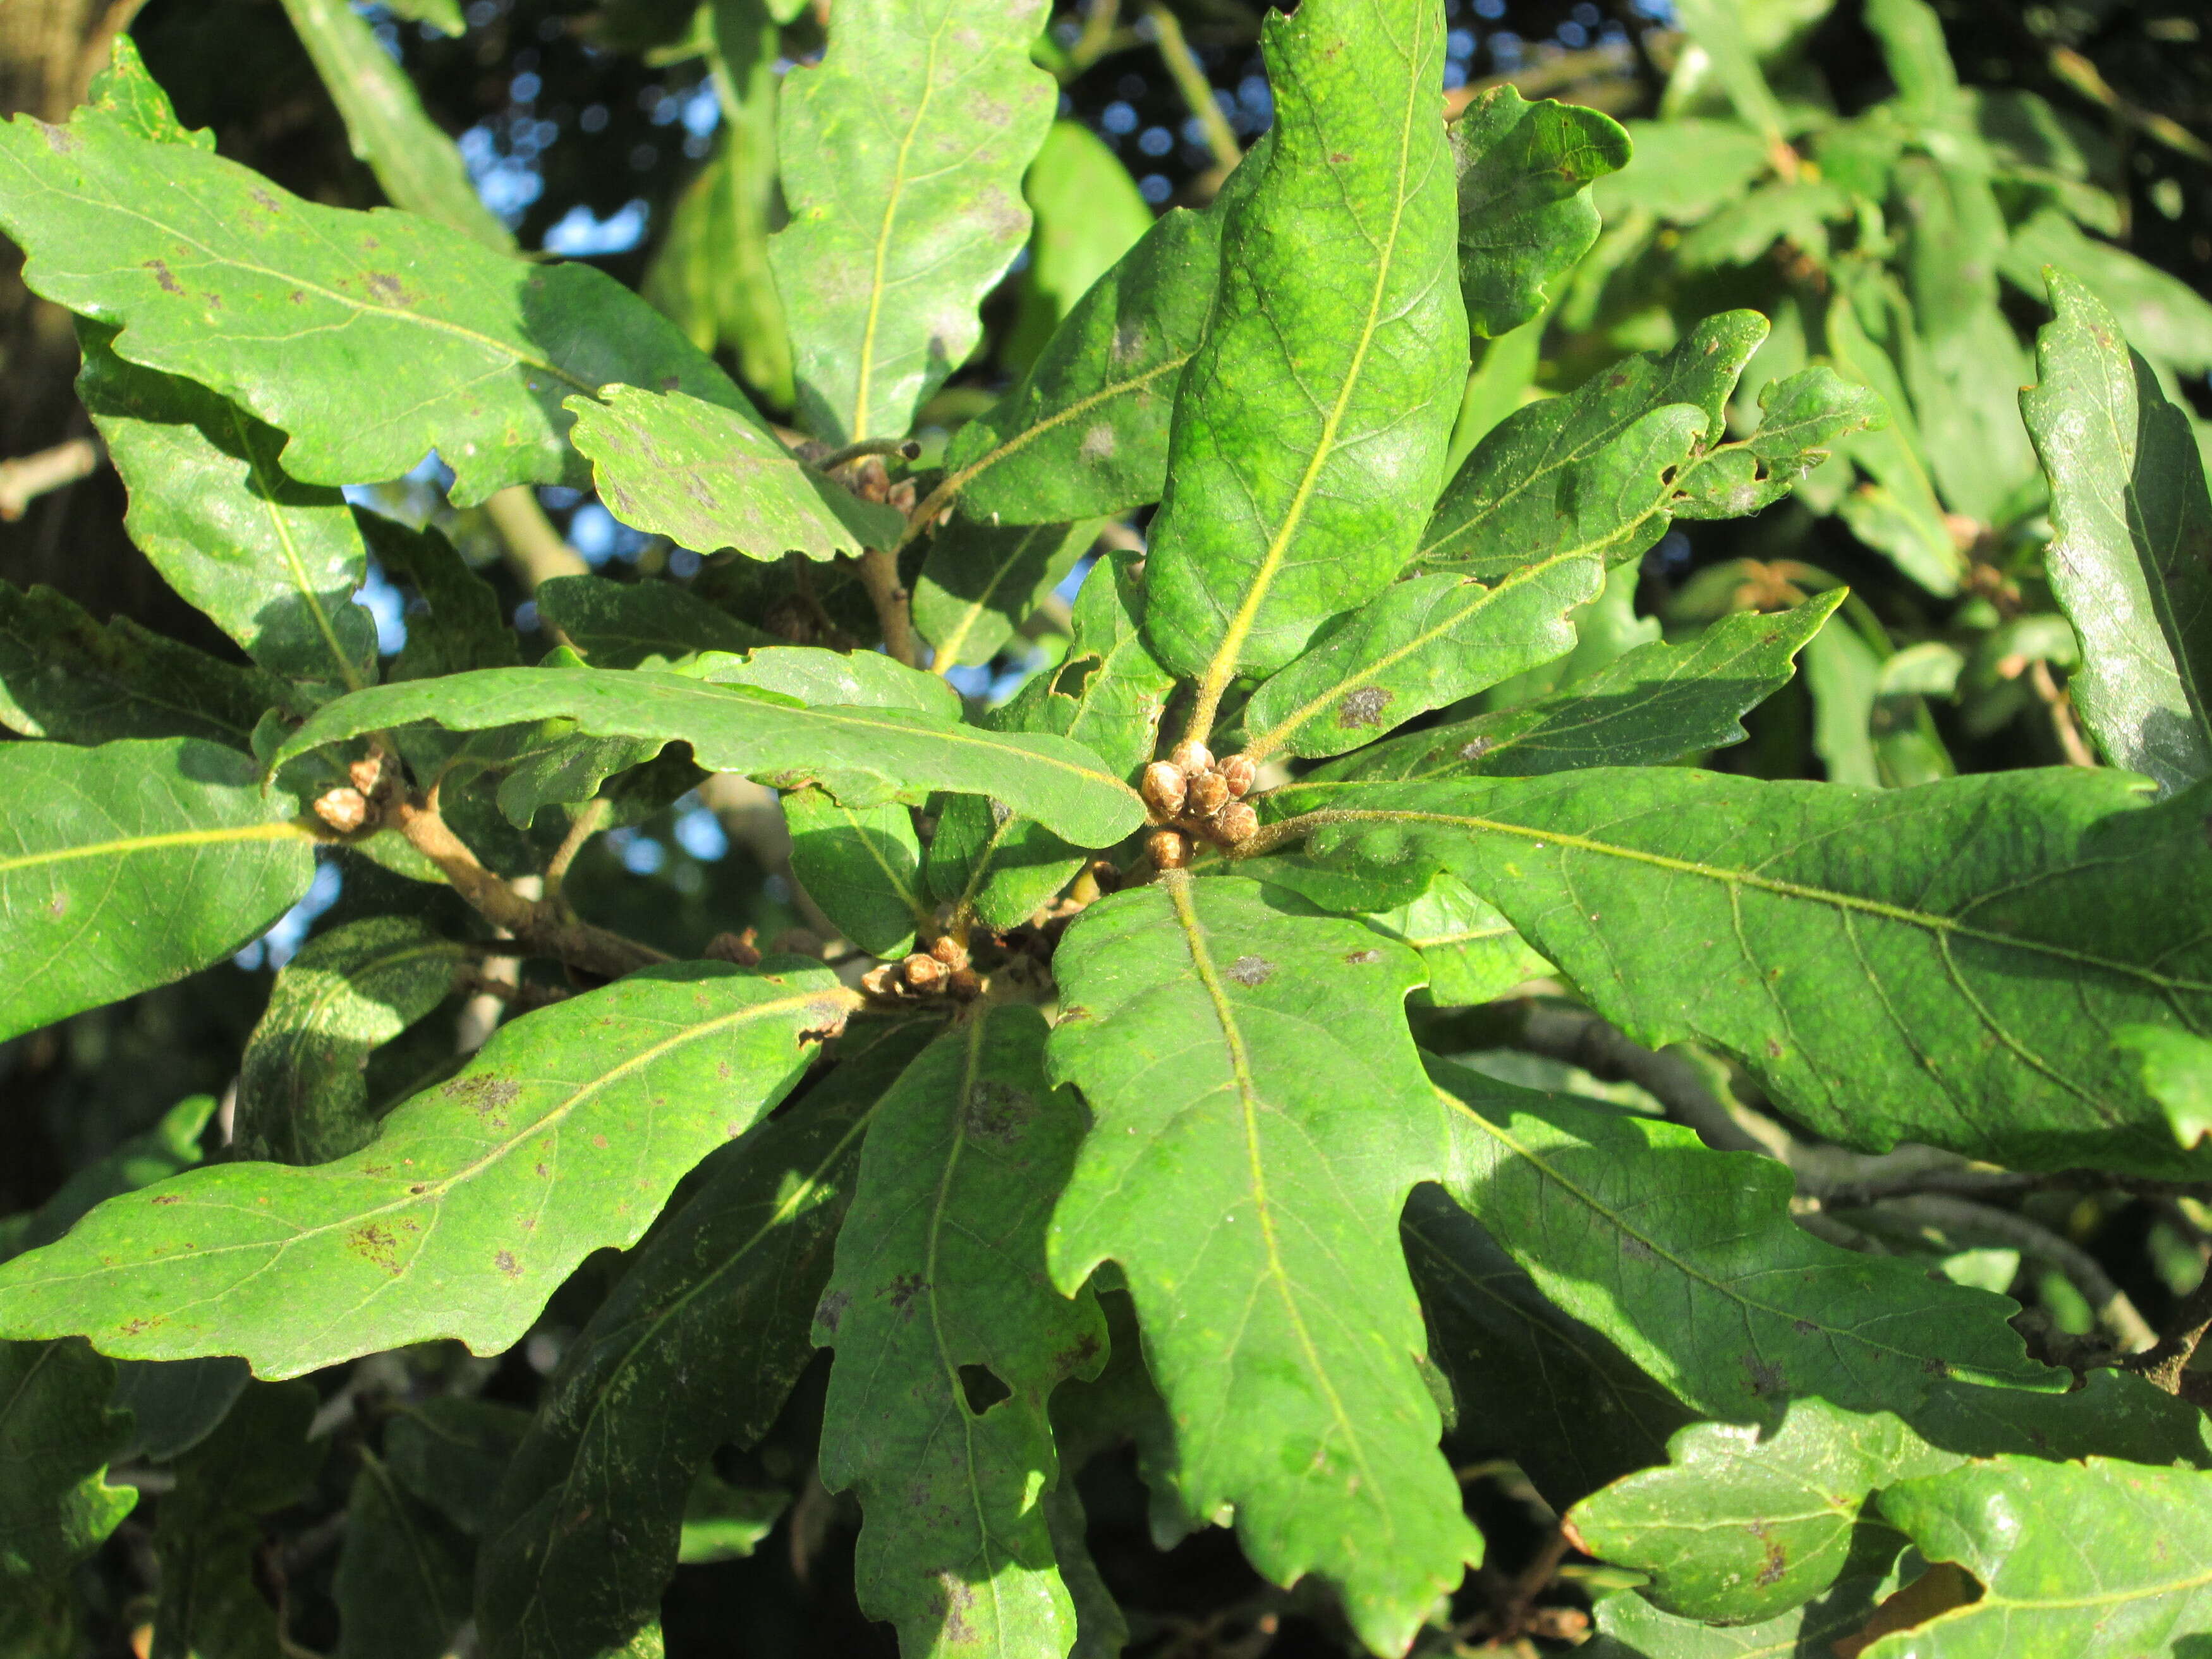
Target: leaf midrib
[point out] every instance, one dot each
(1222, 668)
(281, 830)
(865, 376)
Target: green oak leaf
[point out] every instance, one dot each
(863, 755)
(1655, 703)
(563, 1135)
(1085, 432)
(1560, 1399)
(855, 679)
(1471, 951)
(370, 338)
(1432, 640)
(1687, 1258)
(419, 167)
(1311, 426)
(1802, 416)
(1944, 963)
(1525, 214)
(2111, 1562)
(981, 581)
(56, 1435)
(1109, 694)
(641, 624)
(401, 1585)
(2177, 1069)
(1630, 1627)
(127, 90)
(274, 563)
(1682, 168)
(66, 676)
(862, 866)
(461, 623)
(174, 1404)
(1258, 1121)
(904, 151)
(451, 1450)
(1740, 1527)
(208, 1536)
(302, 1093)
(2164, 318)
(1089, 212)
(1502, 504)
(179, 830)
(951, 1336)
(696, 1347)
(708, 476)
(2131, 558)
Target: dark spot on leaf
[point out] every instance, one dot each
(1251, 971)
(670, 382)
(1474, 750)
(1635, 1250)
(419, 1189)
(1075, 1011)
(1361, 958)
(904, 1289)
(60, 140)
(1081, 1353)
(376, 1168)
(58, 906)
(982, 1386)
(1775, 1562)
(1934, 1367)
(385, 288)
(1363, 708)
(263, 198)
(599, 1141)
(543, 1171)
(505, 1263)
(165, 276)
(1765, 1375)
(1773, 1049)
(1803, 1327)
(484, 1094)
(170, 1198)
(832, 1309)
(722, 1071)
(298, 296)
(997, 1111)
(959, 1598)
(376, 1245)
(370, 242)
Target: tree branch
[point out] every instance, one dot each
(27, 477)
(535, 550)
(1197, 91)
(541, 928)
(2165, 1360)
(894, 614)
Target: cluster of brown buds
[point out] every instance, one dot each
(348, 807)
(1193, 798)
(942, 970)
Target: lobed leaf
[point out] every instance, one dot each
(1740, 1527)
(1258, 1122)
(2059, 1585)
(302, 1090)
(862, 755)
(1471, 951)
(1650, 705)
(1504, 503)
(1687, 1260)
(696, 1347)
(178, 829)
(2130, 555)
(563, 1135)
(1525, 214)
(370, 338)
(1311, 426)
(951, 1336)
(904, 151)
(1432, 640)
(707, 476)
(1085, 432)
(1630, 1627)
(2165, 317)
(272, 561)
(1944, 963)
(66, 677)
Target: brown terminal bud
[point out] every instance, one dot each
(1209, 792)
(924, 973)
(1192, 758)
(742, 949)
(882, 981)
(1236, 823)
(949, 950)
(965, 984)
(367, 773)
(345, 809)
(1169, 849)
(1164, 787)
(1242, 773)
